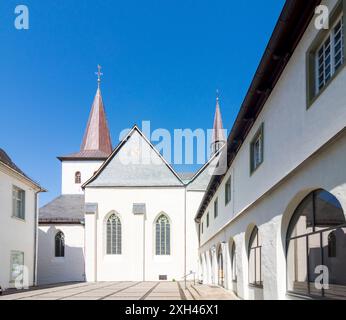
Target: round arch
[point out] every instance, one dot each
(315, 235)
(220, 265)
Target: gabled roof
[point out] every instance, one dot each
(7, 161)
(119, 147)
(293, 21)
(96, 143)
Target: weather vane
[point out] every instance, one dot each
(99, 74)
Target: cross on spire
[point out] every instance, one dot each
(99, 74)
(217, 95)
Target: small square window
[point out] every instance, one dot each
(18, 203)
(256, 150)
(228, 191)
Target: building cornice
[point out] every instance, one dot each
(290, 28)
(15, 174)
(332, 140)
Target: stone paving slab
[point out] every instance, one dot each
(125, 290)
(121, 298)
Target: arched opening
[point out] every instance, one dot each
(316, 247)
(233, 258)
(255, 259)
(113, 235)
(163, 236)
(78, 177)
(60, 245)
(221, 273)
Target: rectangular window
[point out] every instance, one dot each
(329, 56)
(208, 220)
(326, 55)
(18, 203)
(256, 150)
(228, 190)
(202, 227)
(216, 208)
(17, 266)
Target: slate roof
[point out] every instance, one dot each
(86, 155)
(5, 159)
(186, 176)
(140, 173)
(64, 209)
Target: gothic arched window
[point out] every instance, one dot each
(315, 234)
(59, 245)
(78, 178)
(163, 236)
(255, 258)
(113, 235)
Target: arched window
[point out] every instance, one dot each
(78, 178)
(59, 245)
(113, 235)
(163, 236)
(221, 274)
(315, 234)
(233, 262)
(255, 259)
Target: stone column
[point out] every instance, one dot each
(224, 249)
(214, 266)
(91, 215)
(209, 269)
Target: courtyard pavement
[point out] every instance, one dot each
(108, 291)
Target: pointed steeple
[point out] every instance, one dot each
(97, 137)
(218, 139)
(96, 144)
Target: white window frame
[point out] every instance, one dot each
(12, 264)
(331, 37)
(18, 203)
(113, 235)
(163, 234)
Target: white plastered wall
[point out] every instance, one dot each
(69, 268)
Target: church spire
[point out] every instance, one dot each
(97, 138)
(218, 139)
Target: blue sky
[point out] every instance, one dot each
(162, 61)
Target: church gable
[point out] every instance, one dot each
(135, 163)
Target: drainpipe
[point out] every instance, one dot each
(143, 247)
(35, 239)
(185, 238)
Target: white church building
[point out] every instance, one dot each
(124, 214)
(272, 226)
